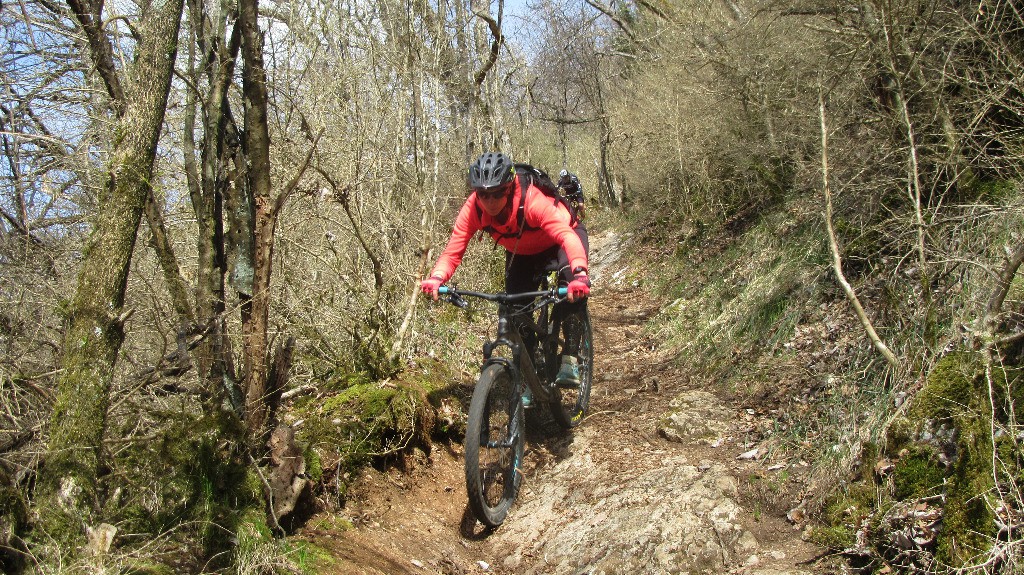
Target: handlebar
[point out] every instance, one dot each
(504, 297)
(456, 296)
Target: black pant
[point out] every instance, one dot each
(524, 272)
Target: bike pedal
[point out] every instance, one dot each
(567, 385)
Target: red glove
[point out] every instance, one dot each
(429, 286)
(579, 287)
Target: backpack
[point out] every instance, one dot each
(539, 178)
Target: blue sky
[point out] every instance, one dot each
(515, 7)
(516, 19)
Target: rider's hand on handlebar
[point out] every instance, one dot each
(579, 287)
(429, 286)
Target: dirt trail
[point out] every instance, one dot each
(649, 483)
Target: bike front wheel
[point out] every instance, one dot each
(570, 404)
(494, 445)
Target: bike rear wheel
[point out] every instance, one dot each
(494, 445)
(570, 405)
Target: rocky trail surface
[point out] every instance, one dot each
(661, 478)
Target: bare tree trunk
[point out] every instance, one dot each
(256, 311)
(913, 173)
(69, 487)
(257, 149)
(478, 101)
(605, 180)
(209, 183)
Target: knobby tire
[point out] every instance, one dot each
(494, 445)
(569, 406)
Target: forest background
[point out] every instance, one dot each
(212, 209)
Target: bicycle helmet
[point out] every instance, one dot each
(491, 170)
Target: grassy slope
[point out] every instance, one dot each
(902, 463)
(757, 313)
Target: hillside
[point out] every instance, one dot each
(215, 219)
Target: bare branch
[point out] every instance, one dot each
(16, 441)
(607, 11)
(650, 7)
(342, 195)
(1013, 261)
(168, 261)
(837, 262)
(294, 182)
(569, 121)
(89, 16)
(496, 41)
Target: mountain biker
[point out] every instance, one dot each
(570, 185)
(549, 235)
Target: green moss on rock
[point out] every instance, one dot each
(917, 473)
(956, 393)
(368, 420)
(189, 474)
(950, 390)
(314, 465)
(944, 446)
(968, 526)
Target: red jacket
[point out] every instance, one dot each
(547, 224)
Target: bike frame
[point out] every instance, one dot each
(495, 423)
(521, 366)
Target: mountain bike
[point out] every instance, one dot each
(525, 354)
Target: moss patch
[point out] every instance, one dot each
(309, 558)
(956, 393)
(917, 473)
(252, 530)
(944, 446)
(190, 474)
(950, 389)
(366, 421)
(843, 516)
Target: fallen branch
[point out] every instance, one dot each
(268, 492)
(410, 310)
(297, 391)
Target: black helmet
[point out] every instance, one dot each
(491, 170)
